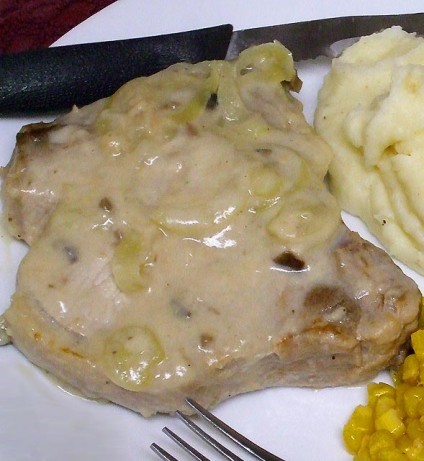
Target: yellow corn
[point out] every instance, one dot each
(390, 454)
(391, 422)
(382, 405)
(380, 440)
(404, 443)
(411, 370)
(412, 397)
(377, 390)
(401, 388)
(390, 427)
(414, 429)
(420, 408)
(363, 455)
(359, 424)
(421, 377)
(416, 453)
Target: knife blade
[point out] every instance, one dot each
(55, 79)
(310, 39)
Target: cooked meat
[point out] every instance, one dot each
(183, 243)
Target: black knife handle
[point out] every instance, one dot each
(54, 79)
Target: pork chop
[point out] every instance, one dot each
(183, 243)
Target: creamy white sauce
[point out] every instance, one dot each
(209, 204)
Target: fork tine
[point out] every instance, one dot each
(257, 451)
(182, 443)
(208, 439)
(163, 454)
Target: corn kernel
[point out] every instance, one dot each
(395, 429)
(416, 453)
(411, 370)
(379, 440)
(414, 429)
(400, 400)
(420, 408)
(359, 424)
(377, 390)
(390, 454)
(391, 421)
(383, 404)
(412, 396)
(404, 443)
(362, 455)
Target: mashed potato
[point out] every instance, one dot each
(371, 111)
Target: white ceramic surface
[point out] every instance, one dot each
(40, 421)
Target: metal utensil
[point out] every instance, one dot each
(248, 445)
(56, 78)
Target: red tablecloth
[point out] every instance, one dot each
(28, 24)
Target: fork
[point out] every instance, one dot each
(255, 450)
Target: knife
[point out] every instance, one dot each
(55, 79)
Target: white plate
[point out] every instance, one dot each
(41, 421)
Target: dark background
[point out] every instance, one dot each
(29, 24)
